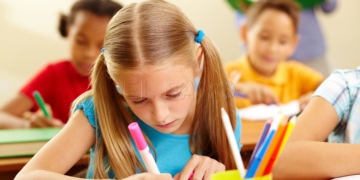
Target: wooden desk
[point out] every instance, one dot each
(251, 131)
(250, 134)
(16, 164)
(9, 167)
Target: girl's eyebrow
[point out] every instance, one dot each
(174, 88)
(133, 97)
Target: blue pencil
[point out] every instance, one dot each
(261, 140)
(239, 95)
(259, 155)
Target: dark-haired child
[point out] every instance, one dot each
(61, 82)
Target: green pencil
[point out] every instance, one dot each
(41, 103)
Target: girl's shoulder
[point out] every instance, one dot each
(87, 106)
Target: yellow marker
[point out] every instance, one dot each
(288, 131)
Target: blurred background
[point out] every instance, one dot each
(29, 38)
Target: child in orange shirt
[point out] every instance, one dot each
(271, 37)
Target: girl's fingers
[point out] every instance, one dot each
(189, 167)
(36, 121)
(213, 169)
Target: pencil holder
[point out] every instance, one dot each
(234, 175)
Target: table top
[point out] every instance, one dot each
(17, 163)
(251, 131)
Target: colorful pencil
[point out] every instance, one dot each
(274, 143)
(261, 139)
(253, 167)
(40, 102)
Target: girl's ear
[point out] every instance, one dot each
(199, 57)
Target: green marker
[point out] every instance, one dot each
(41, 104)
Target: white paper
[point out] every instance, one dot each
(354, 177)
(264, 112)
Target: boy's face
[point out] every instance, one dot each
(270, 40)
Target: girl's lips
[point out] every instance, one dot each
(166, 125)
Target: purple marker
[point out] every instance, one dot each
(239, 95)
(143, 148)
(261, 140)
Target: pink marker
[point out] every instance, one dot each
(143, 148)
(191, 175)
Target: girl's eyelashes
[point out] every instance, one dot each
(169, 96)
(174, 95)
(139, 102)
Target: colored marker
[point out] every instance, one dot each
(143, 148)
(261, 140)
(280, 147)
(253, 167)
(239, 95)
(237, 76)
(40, 102)
(232, 141)
(274, 143)
(191, 175)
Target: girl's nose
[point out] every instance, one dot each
(160, 111)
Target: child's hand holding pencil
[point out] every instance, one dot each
(39, 120)
(255, 92)
(43, 117)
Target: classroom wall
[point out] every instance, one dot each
(29, 38)
(342, 30)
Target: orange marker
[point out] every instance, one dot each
(280, 147)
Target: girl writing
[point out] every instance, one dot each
(145, 74)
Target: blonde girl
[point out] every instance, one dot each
(146, 73)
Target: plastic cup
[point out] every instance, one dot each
(234, 175)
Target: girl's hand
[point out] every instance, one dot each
(149, 176)
(38, 119)
(202, 167)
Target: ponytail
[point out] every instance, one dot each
(212, 94)
(113, 118)
(63, 25)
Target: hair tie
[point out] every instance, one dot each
(102, 50)
(199, 36)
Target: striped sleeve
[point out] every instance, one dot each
(336, 91)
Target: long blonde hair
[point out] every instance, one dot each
(152, 33)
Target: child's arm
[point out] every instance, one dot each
(7, 121)
(12, 112)
(65, 149)
(305, 99)
(307, 156)
(61, 152)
